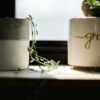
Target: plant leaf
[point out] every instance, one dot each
(30, 17)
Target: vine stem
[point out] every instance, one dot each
(32, 50)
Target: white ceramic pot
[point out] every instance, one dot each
(14, 43)
(84, 42)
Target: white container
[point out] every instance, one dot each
(84, 42)
(14, 43)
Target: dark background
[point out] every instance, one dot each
(7, 8)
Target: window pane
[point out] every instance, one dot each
(51, 16)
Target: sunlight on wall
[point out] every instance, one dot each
(51, 16)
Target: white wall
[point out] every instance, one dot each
(51, 16)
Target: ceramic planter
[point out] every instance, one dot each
(84, 42)
(14, 42)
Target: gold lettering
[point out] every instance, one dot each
(89, 37)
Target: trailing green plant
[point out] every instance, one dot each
(33, 54)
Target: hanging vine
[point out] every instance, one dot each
(33, 54)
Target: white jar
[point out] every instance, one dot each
(84, 42)
(14, 43)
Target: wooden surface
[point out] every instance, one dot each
(61, 73)
(59, 84)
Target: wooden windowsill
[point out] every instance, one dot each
(61, 73)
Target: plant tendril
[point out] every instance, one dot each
(33, 54)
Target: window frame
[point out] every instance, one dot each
(7, 8)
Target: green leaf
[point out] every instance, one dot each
(36, 32)
(30, 17)
(32, 60)
(37, 58)
(91, 2)
(33, 24)
(97, 3)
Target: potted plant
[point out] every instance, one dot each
(91, 8)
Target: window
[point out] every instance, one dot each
(51, 16)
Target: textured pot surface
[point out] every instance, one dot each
(14, 42)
